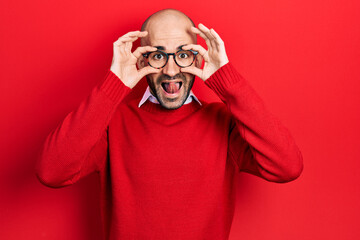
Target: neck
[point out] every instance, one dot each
(157, 108)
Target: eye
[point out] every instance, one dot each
(158, 56)
(183, 55)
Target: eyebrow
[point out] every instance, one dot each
(163, 48)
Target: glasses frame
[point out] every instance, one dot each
(146, 55)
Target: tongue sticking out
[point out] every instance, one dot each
(171, 87)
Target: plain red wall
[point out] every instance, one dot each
(302, 57)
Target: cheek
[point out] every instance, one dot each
(150, 81)
(152, 78)
(189, 78)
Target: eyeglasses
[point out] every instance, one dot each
(158, 59)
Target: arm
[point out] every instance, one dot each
(258, 142)
(78, 146)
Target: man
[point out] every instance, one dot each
(167, 162)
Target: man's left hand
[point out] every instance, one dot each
(215, 57)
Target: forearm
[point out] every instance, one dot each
(275, 156)
(69, 151)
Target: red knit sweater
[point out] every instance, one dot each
(169, 174)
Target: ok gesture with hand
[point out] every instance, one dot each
(215, 57)
(124, 61)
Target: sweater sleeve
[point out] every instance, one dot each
(78, 146)
(258, 143)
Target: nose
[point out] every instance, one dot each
(171, 68)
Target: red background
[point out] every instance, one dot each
(302, 57)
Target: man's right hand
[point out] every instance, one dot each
(124, 61)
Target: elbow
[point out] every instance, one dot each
(285, 169)
(51, 173)
(45, 180)
(292, 170)
(291, 174)
(51, 181)
(50, 176)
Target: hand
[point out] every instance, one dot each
(124, 61)
(215, 57)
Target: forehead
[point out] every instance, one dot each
(169, 34)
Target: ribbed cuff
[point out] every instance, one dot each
(113, 87)
(223, 79)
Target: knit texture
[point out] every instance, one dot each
(169, 174)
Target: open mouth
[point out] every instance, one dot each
(171, 87)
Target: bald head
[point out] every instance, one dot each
(168, 31)
(166, 12)
(166, 20)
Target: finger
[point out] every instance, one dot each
(128, 46)
(121, 49)
(202, 51)
(141, 50)
(192, 70)
(130, 36)
(136, 34)
(197, 31)
(148, 70)
(206, 31)
(218, 40)
(216, 35)
(123, 40)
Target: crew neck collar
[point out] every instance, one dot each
(148, 96)
(158, 109)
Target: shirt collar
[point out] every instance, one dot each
(147, 95)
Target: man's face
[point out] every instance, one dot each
(170, 86)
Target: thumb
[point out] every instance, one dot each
(147, 70)
(193, 70)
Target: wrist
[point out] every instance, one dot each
(122, 79)
(115, 71)
(224, 62)
(216, 68)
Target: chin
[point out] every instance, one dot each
(171, 92)
(172, 103)
(172, 106)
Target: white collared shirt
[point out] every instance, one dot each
(148, 95)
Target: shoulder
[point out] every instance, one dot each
(216, 109)
(213, 106)
(128, 105)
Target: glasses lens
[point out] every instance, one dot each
(185, 58)
(157, 59)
